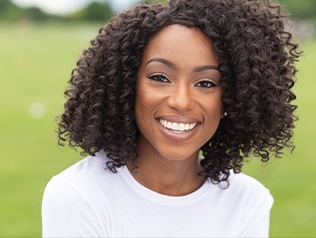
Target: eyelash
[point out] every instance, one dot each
(209, 83)
(159, 77)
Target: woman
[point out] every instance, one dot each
(168, 101)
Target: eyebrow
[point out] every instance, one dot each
(173, 66)
(164, 61)
(205, 67)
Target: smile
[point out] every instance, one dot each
(180, 127)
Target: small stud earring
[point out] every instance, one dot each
(225, 114)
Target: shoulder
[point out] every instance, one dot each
(79, 186)
(251, 194)
(254, 202)
(243, 183)
(89, 175)
(248, 188)
(87, 169)
(244, 194)
(91, 164)
(84, 184)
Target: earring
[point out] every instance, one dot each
(225, 114)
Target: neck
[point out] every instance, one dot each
(167, 176)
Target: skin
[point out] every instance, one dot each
(177, 81)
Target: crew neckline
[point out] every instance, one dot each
(161, 198)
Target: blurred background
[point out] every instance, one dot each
(40, 42)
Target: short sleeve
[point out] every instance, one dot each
(256, 217)
(67, 211)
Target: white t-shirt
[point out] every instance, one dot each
(87, 200)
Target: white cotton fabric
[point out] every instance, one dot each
(87, 200)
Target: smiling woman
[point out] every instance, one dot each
(177, 84)
(178, 105)
(168, 101)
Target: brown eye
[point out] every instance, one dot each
(159, 78)
(205, 84)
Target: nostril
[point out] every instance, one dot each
(181, 100)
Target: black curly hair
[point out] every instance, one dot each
(256, 61)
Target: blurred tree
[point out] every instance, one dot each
(34, 14)
(100, 10)
(300, 9)
(95, 11)
(4, 4)
(9, 11)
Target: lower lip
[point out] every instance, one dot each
(177, 136)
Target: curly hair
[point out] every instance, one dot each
(256, 61)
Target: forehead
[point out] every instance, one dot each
(181, 43)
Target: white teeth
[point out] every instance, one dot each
(177, 126)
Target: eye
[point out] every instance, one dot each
(205, 84)
(159, 78)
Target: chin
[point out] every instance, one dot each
(173, 156)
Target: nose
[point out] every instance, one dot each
(181, 98)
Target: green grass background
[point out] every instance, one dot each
(35, 64)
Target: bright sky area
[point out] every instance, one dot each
(68, 6)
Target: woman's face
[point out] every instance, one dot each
(178, 98)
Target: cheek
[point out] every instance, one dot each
(213, 118)
(144, 105)
(213, 106)
(143, 101)
(147, 97)
(213, 113)
(217, 109)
